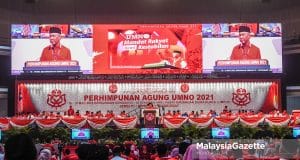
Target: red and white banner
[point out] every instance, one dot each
(174, 122)
(252, 121)
(99, 123)
(201, 122)
(184, 96)
(47, 123)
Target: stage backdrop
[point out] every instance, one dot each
(37, 96)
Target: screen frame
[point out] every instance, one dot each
(147, 129)
(86, 130)
(216, 137)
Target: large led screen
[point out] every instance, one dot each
(34, 47)
(242, 47)
(145, 48)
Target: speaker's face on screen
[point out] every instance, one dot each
(244, 37)
(54, 38)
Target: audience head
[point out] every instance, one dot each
(67, 151)
(92, 152)
(117, 150)
(162, 150)
(20, 147)
(192, 152)
(45, 154)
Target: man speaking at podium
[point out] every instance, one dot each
(245, 50)
(55, 51)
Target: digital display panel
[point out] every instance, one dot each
(220, 133)
(150, 133)
(80, 134)
(146, 48)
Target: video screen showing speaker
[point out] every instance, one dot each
(80, 134)
(242, 47)
(51, 48)
(149, 133)
(296, 132)
(220, 133)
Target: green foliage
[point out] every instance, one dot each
(111, 135)
(103, 133)
(130, 134)
(280, 132)
(166, 132)
(56, 133)
(239, 131)
(14, 131)
(195, 132)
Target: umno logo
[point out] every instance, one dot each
(184, 87)
(241, 97)
(150, 116)
(113, 88)
(56, 98)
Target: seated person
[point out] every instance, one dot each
(77, 114)
(99, 114)
(177, 114)
(201, 114)
(192, 114)
(168, 113)
(185, 114)
(123, 114)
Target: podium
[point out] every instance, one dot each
(149, 118)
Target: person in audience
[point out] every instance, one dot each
(1, 153)
(112, 113)
(169, 113)
(177, 114)
(55, 51)
(144, 153)
(87, 114)
(20, 147)
(65, 114)
(77, 114)
(225, 109)
(123, 114)
(108, 114)
(99, 114)
(209, 113)
(185, 114)
(175, 153)
(92, 152)
(192, 152)
(197, 114)
(162, 152)
(174, 113)
(117, 153)
(45, 154)
(214, 113)
(182, 148)
(69, 156)
(192, 114)
(58, 115)
(71, 111)
(52, 115)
